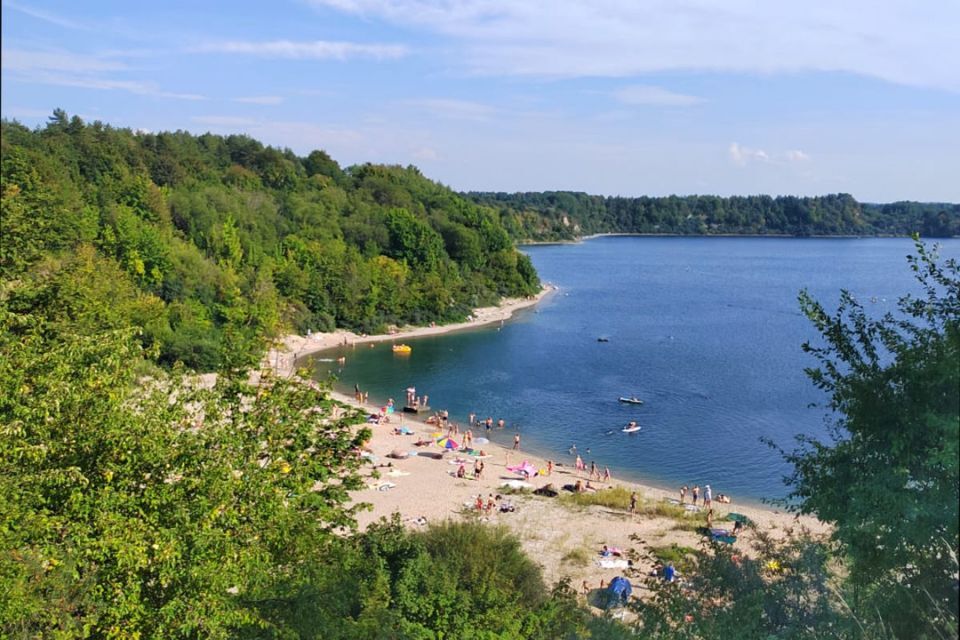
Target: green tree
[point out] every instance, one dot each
(157, 508)
(888, 482)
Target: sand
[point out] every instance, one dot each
(564, 539)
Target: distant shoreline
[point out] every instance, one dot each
(713, 235)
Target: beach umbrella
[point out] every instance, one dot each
(447, 443)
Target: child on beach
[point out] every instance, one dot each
(516, 442)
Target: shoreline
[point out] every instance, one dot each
(626, 234)
(563, 539)
(282, 358)
(283, 361)
(423, 488)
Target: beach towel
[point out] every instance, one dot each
(613, 563)
(524, 468)
(517, 484)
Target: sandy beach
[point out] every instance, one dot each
(564, 539)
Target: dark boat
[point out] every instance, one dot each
(630, 400)
(603, 339)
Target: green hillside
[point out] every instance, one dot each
(210, 243)
(567, 215)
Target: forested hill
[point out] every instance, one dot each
(209, 243)
(566, 215)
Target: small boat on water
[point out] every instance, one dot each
(630, 400)
(603, 339)
(632, 427)
(402, 348)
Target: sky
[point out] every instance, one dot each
(611, 97)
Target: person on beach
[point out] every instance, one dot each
(707, 496)
(549, 467)
(501, 423)
(573, 449)
(669, 573)
(477, 469)
(593, 470)
(633, 503)
(683, 493)
(606, 474)
(491, 504)
(516, 442)
(580, 466)
(472, 418)
(461, 471)
(489, 423)
(479, 502)
(695, 493)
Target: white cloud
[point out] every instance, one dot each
(266, 100)
(26, 61)
(67, 69)
(130, 86)
(911, 42)
(639, 94)
(425, 154)
(313, 50)
(454, 109)
(742, 156)
(46, 16)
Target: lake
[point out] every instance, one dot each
(707, 331)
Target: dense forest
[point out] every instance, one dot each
(217, 236)
(567, 215)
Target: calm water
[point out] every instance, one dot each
(706, 330)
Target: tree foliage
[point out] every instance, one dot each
(154, 507)
(565, 215)
(888, 482)
(238, 241)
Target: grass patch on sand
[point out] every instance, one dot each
(614, 498)
(579, 557)
(674, 553)
(619, 498)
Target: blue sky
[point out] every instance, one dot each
(615, 97)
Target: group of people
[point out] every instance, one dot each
(707, 496)
(477, 470)
(595, 473)
(492, 505)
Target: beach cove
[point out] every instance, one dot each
(564, 539)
